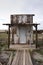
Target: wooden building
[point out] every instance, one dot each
(22, 32)
(21, 29)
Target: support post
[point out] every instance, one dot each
(36, 36)
(8, 36)
(12, 37)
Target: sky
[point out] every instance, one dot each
(8, 7)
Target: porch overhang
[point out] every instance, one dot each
(22, 24)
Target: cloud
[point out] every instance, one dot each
(8, 7)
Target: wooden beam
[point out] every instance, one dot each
(12, 37)
(36, 36)
(8, 36)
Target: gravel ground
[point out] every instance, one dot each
(4, 57)
(37, 59)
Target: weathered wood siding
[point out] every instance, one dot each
(21, 19)
(16, 32)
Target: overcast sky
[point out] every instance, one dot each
(8, 7)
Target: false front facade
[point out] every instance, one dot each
(22, 30)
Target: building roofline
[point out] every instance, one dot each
(24, 14)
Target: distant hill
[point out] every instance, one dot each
(3, 31)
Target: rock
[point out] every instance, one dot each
(4, 58)
(0, 63)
